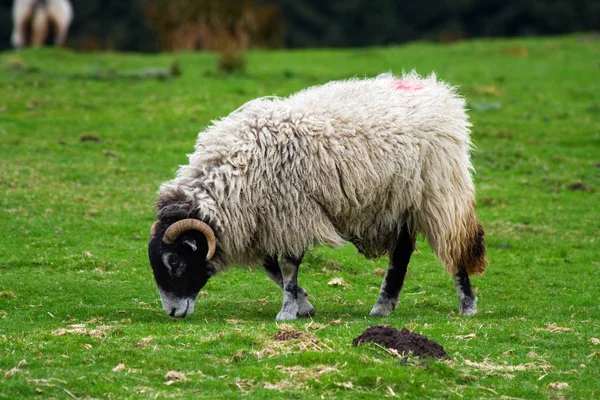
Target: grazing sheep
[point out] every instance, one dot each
(32, 20)
(372, 161)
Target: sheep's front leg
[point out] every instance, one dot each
(40, 29)
(62, 30)
(22, 13)
(394, 277)
(271, 265)
(466, 298)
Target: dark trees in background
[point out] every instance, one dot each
(340, 23)
(126, 25)
(111, 25)
(214, 24)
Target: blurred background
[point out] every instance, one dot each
(182, 25)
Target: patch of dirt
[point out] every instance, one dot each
(579, 186)
(286, 333)
(518, 51)
(404, 341)
(289, 340)
(90, 138)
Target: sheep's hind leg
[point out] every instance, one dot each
(271, 265)
(466, 298)
(394, 277)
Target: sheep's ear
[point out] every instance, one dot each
(191, 244)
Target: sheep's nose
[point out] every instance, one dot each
(177, 307)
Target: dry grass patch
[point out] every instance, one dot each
(175, 376)
(8, 294)
(144, 342)
(488, 366)
(119, 368)
(558, 385)
(15, 370)
(553, 328)
(338, 282)
(298, 376)
(247, 385)
(506, 370)
(466, 337)
(302, 374)
(101, 331)
(288, 340)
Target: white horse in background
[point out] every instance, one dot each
(32, 20)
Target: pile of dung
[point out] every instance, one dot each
(404, 341)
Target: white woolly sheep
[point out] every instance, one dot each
(32, 20)
(371, 161)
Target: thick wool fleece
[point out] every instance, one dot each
(346, 161)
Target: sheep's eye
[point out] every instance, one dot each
(173, 260)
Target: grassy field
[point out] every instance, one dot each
(86, 139)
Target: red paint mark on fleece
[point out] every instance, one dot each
(403, 85)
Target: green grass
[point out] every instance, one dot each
(77, 297)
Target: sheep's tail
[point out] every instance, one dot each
(455, 235)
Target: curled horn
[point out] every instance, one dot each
(175, 230)
(154, 229)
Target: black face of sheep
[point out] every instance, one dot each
(178, 255)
